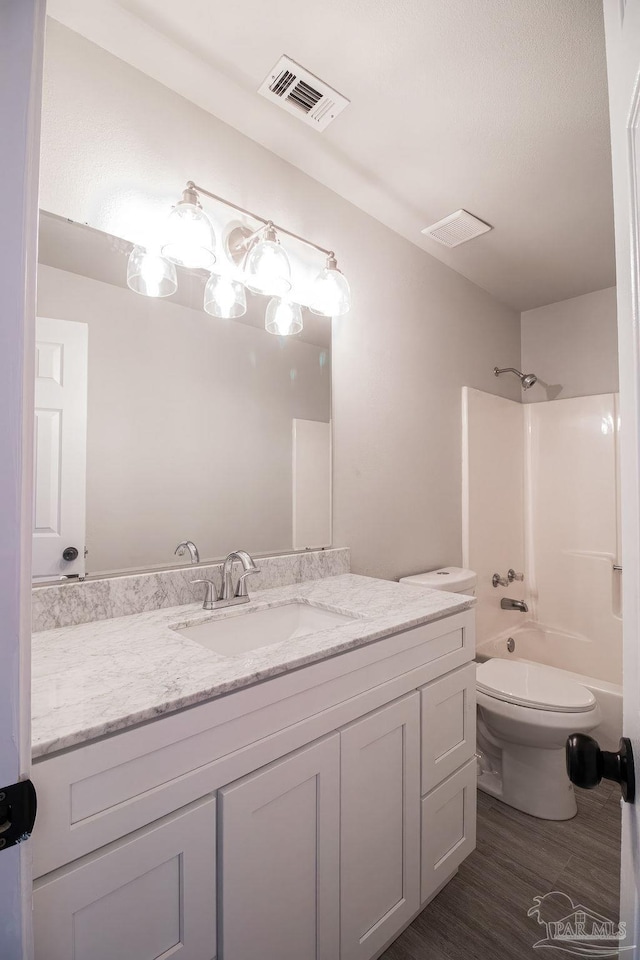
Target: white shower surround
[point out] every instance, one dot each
(532, 475)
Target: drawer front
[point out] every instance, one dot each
(448, 725)
(150, 895)
(448, 828)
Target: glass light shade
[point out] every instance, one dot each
(150, 274)
(283, 317)
(224, 297)
(189, 237)
(331, 296)
(267, 269)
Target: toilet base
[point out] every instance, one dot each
(531, 779)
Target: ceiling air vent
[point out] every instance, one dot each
(300, 93)
(456, 229)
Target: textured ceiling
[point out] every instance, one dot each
(496, 106)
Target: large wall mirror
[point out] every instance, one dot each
(157, 423)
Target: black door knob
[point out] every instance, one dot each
(587, 764)
(70, 553)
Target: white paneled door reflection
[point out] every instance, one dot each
(60, 448)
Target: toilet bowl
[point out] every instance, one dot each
(526, 711)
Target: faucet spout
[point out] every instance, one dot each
(248, 567)
(508, 604)
(191, 547)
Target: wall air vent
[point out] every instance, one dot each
(456, 229)
(302, 94)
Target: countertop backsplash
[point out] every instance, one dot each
(69, 604)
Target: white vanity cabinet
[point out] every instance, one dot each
(309, 817)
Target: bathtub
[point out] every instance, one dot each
(536, 644)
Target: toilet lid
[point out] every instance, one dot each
(533, 685)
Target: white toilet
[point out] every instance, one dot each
(526, 711)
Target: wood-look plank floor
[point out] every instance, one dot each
(482, 913)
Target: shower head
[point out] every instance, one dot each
(526, 379)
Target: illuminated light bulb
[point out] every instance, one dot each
(150, 274)
(189, 238)
(224, 297)
(267, 269)
(331, 296)
(283, 318)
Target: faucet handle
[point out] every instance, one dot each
(241, 589)
(211, 593)
(512, 575)
(499, 581)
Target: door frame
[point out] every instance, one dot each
(622, 30)
(22, 26)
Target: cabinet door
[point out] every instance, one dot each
(448, 828)
(280, 858)
(380, 826)
(150, 895)
(448, 725)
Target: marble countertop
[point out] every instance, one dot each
(96, 678)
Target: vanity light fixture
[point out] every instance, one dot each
(331, 294)
(190, 241)
(150, 274)
(283, 317)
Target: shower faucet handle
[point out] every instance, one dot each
(512, 575)
(499, 581)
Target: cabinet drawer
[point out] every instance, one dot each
(448, 725)
(448, 828)
(152, 895)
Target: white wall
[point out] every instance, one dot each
(189, 424)
(117, 149)
(493, 505)
(572, 346)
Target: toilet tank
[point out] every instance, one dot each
(452, 579)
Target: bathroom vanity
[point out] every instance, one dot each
(304, 799)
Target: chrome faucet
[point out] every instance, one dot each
(228, 597)
(248, 567)
(508, 604)
(191, 547)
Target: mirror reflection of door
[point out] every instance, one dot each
(60, 449)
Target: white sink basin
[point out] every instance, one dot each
(237, 635)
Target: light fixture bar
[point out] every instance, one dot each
(249, 213)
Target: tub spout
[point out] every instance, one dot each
(508, 604)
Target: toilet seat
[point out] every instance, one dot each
(534, 686)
